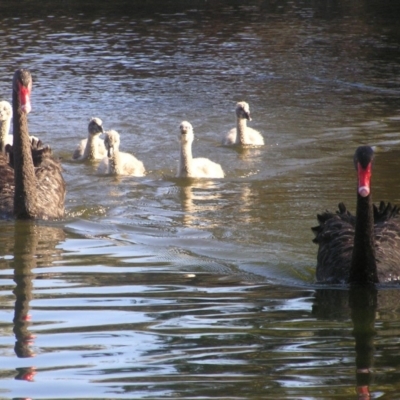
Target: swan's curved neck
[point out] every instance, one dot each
(24, 172)
(4, 129)
(241, 125)
(91, 149)
(115, 162)
(186, 158)
(363, 267)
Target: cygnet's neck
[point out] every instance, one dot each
(114, 162)
(186, 159)
(91, 149)
(241, 126)
(4, 130)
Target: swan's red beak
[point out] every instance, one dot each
(25, 98)
(364, 179)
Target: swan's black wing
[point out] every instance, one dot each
(335, 238)
(50, 183)
(51, 189)
(6, 188)
(39, 152)
(387, 242)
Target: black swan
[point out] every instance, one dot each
(31, 182)
(243, 135)
(361, 249)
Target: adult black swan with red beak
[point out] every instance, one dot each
(361, 249)
(29, 190)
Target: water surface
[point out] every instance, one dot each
(159, 287)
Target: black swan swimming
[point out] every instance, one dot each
(31, 182)
(361, 249)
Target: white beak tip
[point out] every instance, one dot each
(363, 191)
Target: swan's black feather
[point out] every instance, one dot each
(7, 187)
(38, 150)
(335, 237)
(50, 184)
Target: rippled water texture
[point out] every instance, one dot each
(159, 287)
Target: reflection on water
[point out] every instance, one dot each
(371, 310)
(195, 195)
(362, 304)
(31, 245)
(159, 287)
(24, 252)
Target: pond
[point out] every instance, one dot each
(161, 287)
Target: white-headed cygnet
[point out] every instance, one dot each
(242, 134)
(190, 167)
(117, 162)
(5, 122)
(91, 148)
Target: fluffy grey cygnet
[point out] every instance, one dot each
(5, 122)
(190, 167)
(117, 162)
(91, 148)
(243, 134)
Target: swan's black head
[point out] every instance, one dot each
(363, 156)
(22, 86)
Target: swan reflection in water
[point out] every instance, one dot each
(363, 303)
(33, 246)
(196, 196)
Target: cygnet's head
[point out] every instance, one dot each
(5, 110)
(95, 127)
(186, 132)
(243, 110)
(111, 142)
